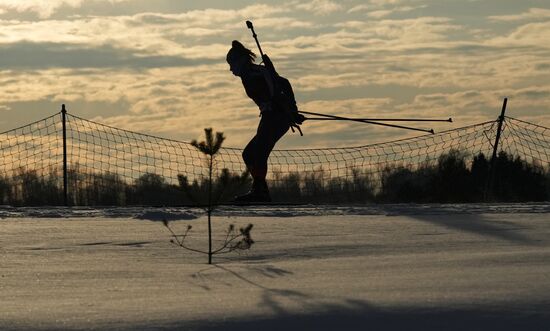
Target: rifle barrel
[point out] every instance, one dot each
(255, 36)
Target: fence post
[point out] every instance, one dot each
(65, 178)
(492, 164)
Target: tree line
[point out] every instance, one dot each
(452, 178)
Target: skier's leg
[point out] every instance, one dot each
(257, 167)
(272, 128)
(256, 154)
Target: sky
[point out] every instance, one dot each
(158, 67)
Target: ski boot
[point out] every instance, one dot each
(258, 193)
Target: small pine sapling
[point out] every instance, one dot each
(234, 241)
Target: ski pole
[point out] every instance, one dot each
(340, 118)
(255, 36)
(385, 119)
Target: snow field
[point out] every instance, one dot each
(334, 272)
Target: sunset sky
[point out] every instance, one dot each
(159, 67)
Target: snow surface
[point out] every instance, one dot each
(376, 267)
(186, 213)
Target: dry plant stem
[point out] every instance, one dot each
(192, 249)
(226, 245)
(224, 248)
(180, 243)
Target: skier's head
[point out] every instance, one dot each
(239, 58)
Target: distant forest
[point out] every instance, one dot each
(453, 178)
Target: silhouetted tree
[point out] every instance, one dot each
(5, 186)
(401, 184)
(151, 188)
(479, 177)
(452, 181)
(517, 180)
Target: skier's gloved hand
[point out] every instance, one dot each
(299, 118)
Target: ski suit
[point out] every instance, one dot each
(273, 123)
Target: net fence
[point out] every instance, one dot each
(112, 166)
(30, 159)
(527, 140)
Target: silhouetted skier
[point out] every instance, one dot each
(274, 96)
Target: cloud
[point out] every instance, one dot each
(380, 9)
(178, 34)
(404, 31)
(388, 12)
(320, 7)
(43, 9)
(283, 23)
(393, 2)
(209, 17)
(25, 55)
(531, 14)
(534, 34)
(359, 8)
